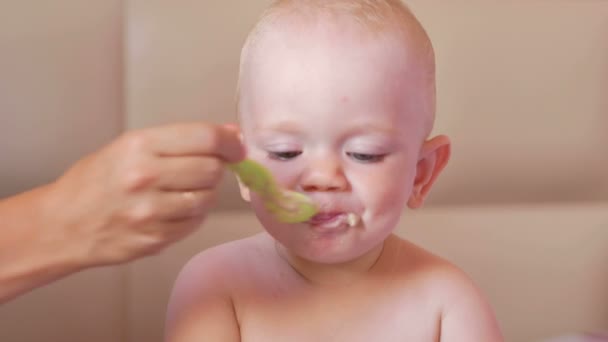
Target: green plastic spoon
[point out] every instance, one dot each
(287, 206)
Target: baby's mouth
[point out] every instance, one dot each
(334, 219)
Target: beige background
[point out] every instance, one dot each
(522, 93)
(522, 88)
(60, 85)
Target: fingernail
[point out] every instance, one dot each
(231, 127)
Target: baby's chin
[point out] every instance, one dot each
(333, 252)
(327, 257)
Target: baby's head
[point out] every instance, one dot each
(337, 98)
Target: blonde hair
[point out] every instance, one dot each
(375, 17)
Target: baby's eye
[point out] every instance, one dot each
(365, 157)
(287, 155)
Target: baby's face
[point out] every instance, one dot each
(330, 115)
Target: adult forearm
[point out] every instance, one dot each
(134, 197)
(32, 248)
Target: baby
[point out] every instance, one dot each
(337, 99)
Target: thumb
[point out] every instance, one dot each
(235, 129)
(232, 127)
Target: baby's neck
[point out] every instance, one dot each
(335, 275)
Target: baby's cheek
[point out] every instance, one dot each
(391, 198)
(281, 171)
(285, 173)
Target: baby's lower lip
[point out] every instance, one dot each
(325, 218)
(331, 224)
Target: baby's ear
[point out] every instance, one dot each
(434, 156)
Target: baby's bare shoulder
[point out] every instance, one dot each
(201, 301)
(438, 276)
(466, 315)
(225, 263)
(207, 282)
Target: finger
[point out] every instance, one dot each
(183, 205)
(160, 236)
(189, 173)
(197, 139)
(167, 206)
(231, 127)
(177, 230)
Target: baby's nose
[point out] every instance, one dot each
(324, 175)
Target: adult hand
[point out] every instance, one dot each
(146, 190)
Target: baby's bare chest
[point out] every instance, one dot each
(344, 316)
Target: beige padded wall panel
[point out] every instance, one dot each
(60, 98)
(84, 307)
(60, 86)
(522, 88)
(522, 92)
